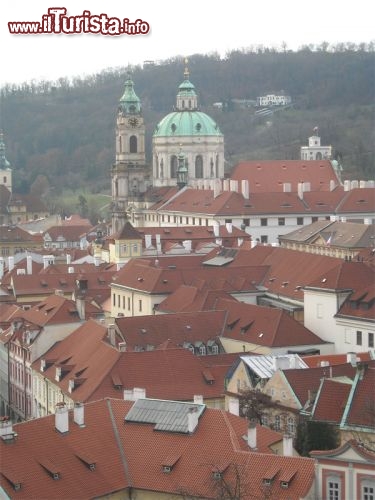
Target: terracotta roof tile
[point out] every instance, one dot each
(331, 402)
(123, 451)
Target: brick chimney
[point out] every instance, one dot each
(198, 399)
(29, 264)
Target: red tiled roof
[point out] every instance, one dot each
(358, 200)
(360, 304)
(16, 234)
(55, 309)
(264, 326)
(333, 359)
(345, 276)
(331, 401)
(362, 404)
(303, 381)
(122, 451)
(352, 443)
(67, 233)
(269, 176)
(147, 331)
(192, 298)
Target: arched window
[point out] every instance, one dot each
(174, 167)
(156, 166)
(199, 167)
(318, 156)
(217, 166)
(133, 146)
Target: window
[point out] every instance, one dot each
(281, 221)
(263, 222)
(133, 147)
(128, 303)
(140, 305)
(291, 427)
(199, 167)
(246, 222)
(118, 300)
(299, 221)
(173, 166)
(277, 423)
(371, 339)
(359, 337)
(264, 238)
(367, 490)
(333, 489)
(314, 219)
(114, 299)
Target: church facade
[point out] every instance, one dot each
(187, 145)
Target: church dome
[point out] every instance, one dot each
(187, 123)
(187, 119)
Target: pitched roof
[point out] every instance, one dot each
(121, 451)
(333, 359)
(331, 400)
(264, 326)
(192, 298)
(93, 362)
(363, 452)
(345, 276)
(53, 310)
(66, 233)
(270, 175)
(357, 200)
(304, 381)
(16, 234)
(146, 332)
(361, 404)
(360, 304)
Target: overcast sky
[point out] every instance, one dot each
(176, 28)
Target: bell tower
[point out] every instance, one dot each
(130, 176)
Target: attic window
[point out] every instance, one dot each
(267, 482)
(173, 127)
(284, 484)
(167, 469)
(217, 474)
(198, 126)
(16, 485)
(51, 468)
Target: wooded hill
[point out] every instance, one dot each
(64, 130)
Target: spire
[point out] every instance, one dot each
(4, 163)
(187, 99)
(130, 102)
(186, 72)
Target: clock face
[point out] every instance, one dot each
(133, 121)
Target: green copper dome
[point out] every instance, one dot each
(130, 102)
(187, 123)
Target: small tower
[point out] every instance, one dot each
(315, 151)
(130, 175)
(5, 170)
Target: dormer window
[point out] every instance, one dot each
(284, 484)
(217, 475)
(167, 469)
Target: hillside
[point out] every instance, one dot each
(65, 129)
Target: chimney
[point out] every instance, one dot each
(192, 419)
(217, 187)
(111, 330)
(10, 263)
(332, 185)
(97, 261)
(216, 230)
(226, 185)
(29, 264)
(81, 307)
(68, 259)
(362, 184)
(158, 243)
(148, 240)
(187, 244)
(245, 189)
(367, 221)
(351, 357)
(300, 190)
(228, 225)
(122, 346)
(287, 187)
(233, 185)
(306, 186)
(287, 445)
(62, 418)
(2, 267)
(252, 435)
(70, 270)
(253, 243)
(198, 399)
(354, 184)
(234, 406)
(48, 260)
(139, 393)
(347, 185)
(79, 414)
(6, 428)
